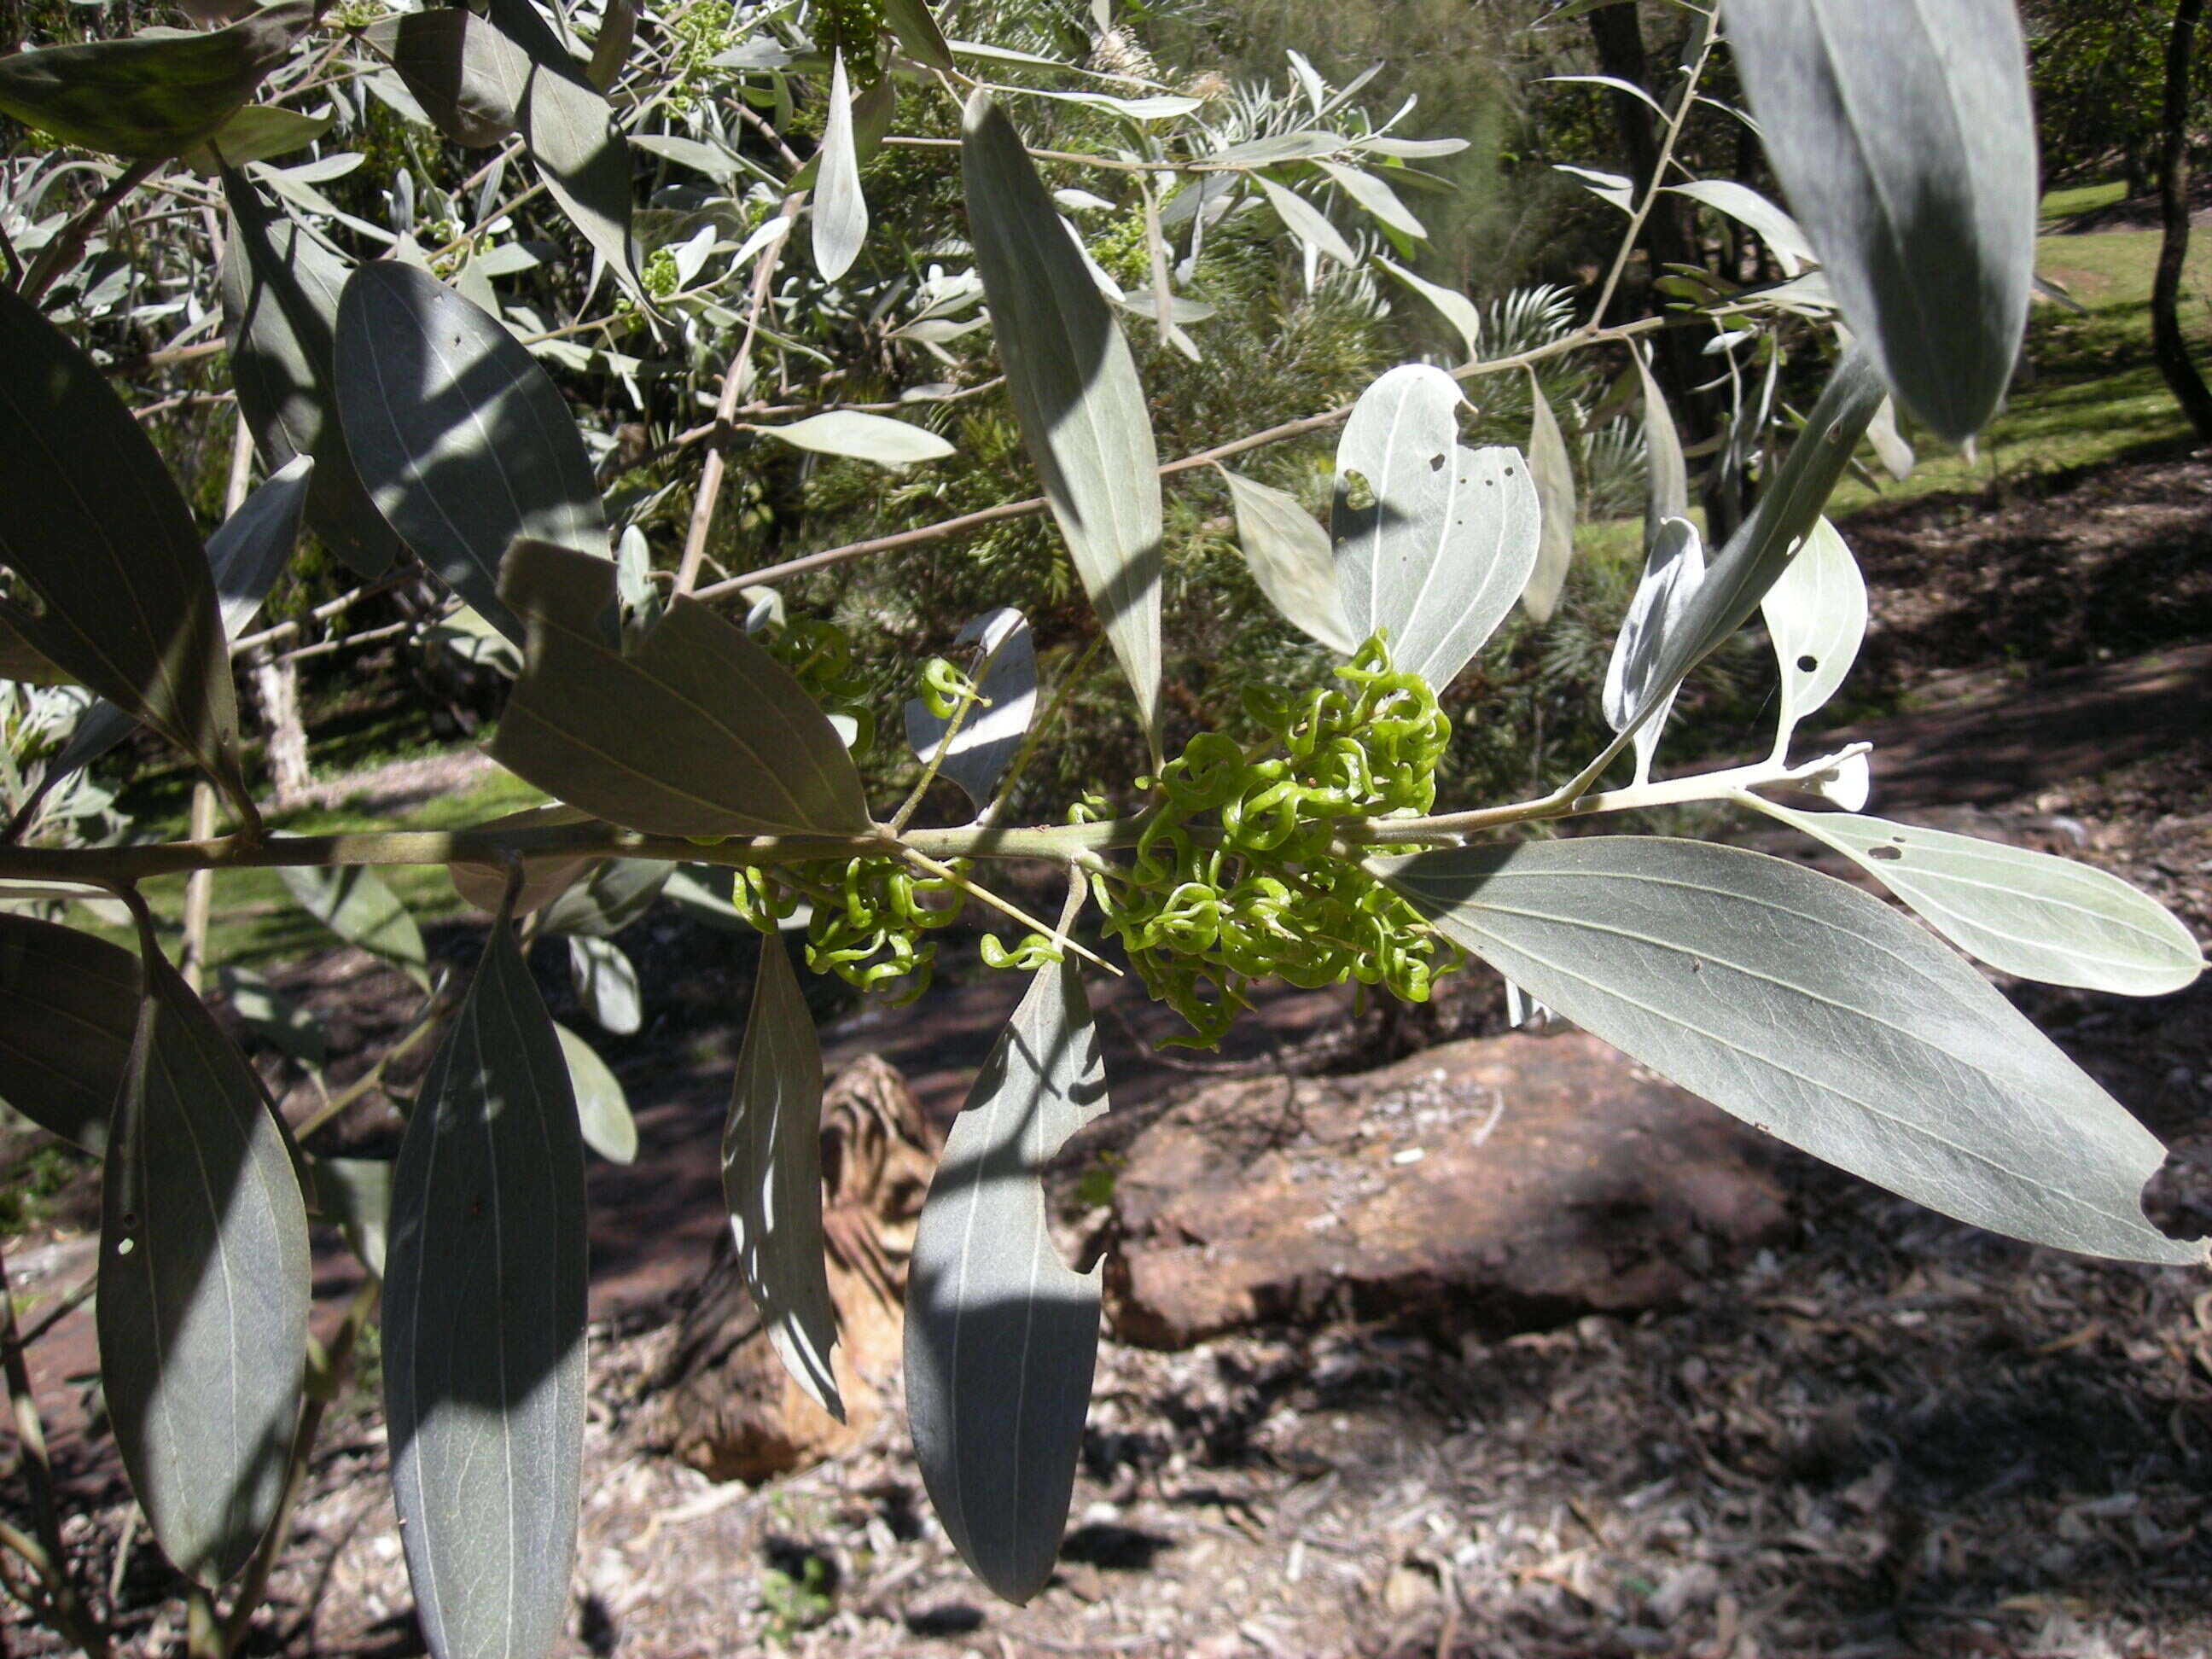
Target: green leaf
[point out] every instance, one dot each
(612, 896)
(151, 95)
(271, 1015)
(1453, 306)
(204, 1264)
(245, 556)
(692, 730)
(607, 983)
(353, 902)
(468, 78)
(1743, 204)
(280, 300)
(355, 1195)
(1289, 558)
(2028, 913)
(1895, 453)
(1904, 139)
(919, 36)
(463, 440)
(1816, 614)
(1001, 1335)
(95, 526)
(841, 211)
(484, 1324)
(69, 1008)
(875, 438)
(1666, 476)
(256, 133)
(1674, 570)
(1813, 1012)
(602, 1108)
(1553, 471)
(701, 890)
(1377, 197)
(1075, 391)
(1306, 221)
(1433, 541)
(772, 1178)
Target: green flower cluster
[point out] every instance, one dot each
(1237, 875)
(819, 655)
(870, 921)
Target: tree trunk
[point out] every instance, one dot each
(721, 1400)
(276, 688)
(2168, 344)
(1617, 32)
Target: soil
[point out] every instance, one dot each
(1893, 1434)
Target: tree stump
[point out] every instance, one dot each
(722, 1402)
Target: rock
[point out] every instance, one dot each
(722, 1401)
(1503, 1183)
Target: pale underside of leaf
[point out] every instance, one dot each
(1552, 470)
(772, 1178)
(2026, 912)
(1815, 1012)
(841, 211)
(1001, 1335)
(992, 733)
(1904, 139)
(462, 441)
(693, 730)
(1290, 557)
(1075, 391)
(202, 1309)
(1816, 614)
(1434, 542)
(484, 1325)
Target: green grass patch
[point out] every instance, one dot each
(2059, 205)
(2092, 392)
(254, 919)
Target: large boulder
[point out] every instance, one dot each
(1503, 1183)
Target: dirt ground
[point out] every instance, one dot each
(1896, 1435)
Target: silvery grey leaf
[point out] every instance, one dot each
(1816, 614)
(602, 1108)
(991, 735)
(463, 442)
(1553, 471)
(1815, 1012)
(1904, 140)
(203, 1265)
(1792, 253)
(1434, 541)
(2026, 913)
(484, 1325)
(1673, 571)
(246, 555)
(1290, 557)
(1075, 391)
(607, 983)
(1306, 221)
(841, 211)
(1667, 478)
(772, 1178)
(1001, 1335)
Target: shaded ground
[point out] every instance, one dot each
(1897, 1435)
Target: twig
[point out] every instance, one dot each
(1651, 199)
(1274, 434)
(734, 388)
